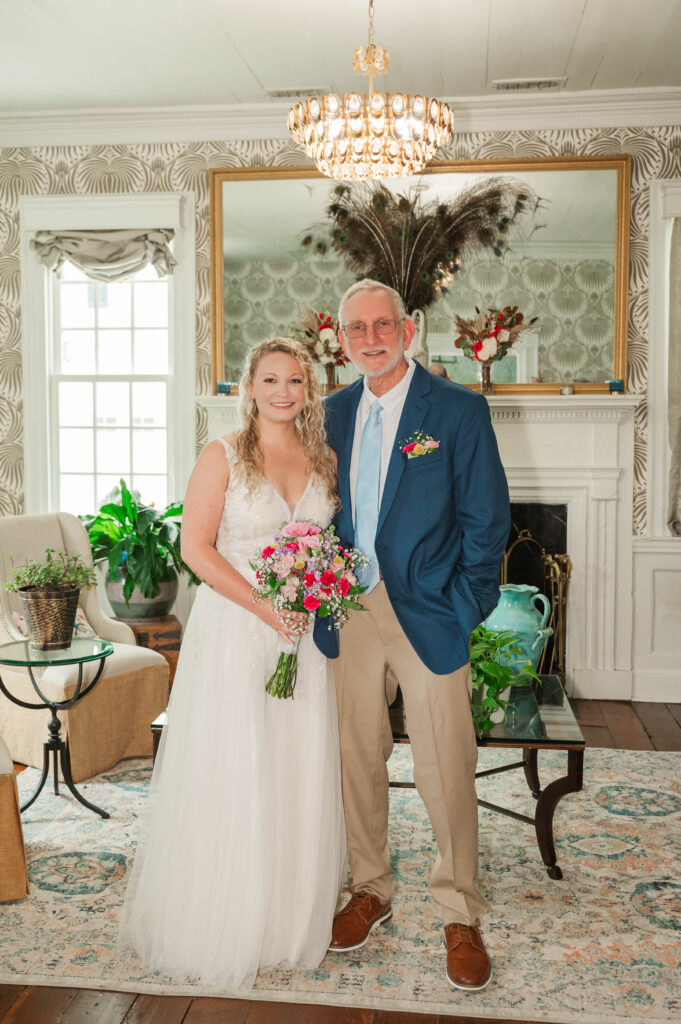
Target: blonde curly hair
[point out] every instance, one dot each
(309, 422)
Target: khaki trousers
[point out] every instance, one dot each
(443, 746)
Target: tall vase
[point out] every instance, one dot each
(330, 378)
(486, 378)
(418, 349)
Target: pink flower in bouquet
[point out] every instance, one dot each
(309, 579)
(343, 586)
(268, 551)
(283, 566)
(289, 592)
(292, 545)
(328, 578)
(311, 603)
(296, 529)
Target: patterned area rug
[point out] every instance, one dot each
(604, 944)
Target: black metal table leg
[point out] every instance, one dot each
(66, 772)
(46, 767)
(546, 805)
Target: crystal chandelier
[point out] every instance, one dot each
(357, 136)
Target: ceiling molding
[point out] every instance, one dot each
(596, 109)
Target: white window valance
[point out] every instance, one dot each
(107, 255)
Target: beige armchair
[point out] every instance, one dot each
(13, 873)
(113, 721)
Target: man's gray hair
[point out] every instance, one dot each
(367, 285)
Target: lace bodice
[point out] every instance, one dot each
(250, 520)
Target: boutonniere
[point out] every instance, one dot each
(419, 444)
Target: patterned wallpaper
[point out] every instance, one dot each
(573, 300)
(82, 170)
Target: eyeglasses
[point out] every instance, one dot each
(358, 329)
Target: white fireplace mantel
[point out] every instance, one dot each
(574, 450)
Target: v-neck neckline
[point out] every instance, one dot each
(281, 497)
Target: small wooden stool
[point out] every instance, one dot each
(162, 635)
(156, 730)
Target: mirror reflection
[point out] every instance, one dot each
(565, 264)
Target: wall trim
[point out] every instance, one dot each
(594, 109)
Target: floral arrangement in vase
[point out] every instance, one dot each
(319, 332)
(490, 336)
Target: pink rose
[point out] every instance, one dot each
(430, 445)
(300, 529)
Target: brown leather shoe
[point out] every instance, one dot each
(355, 922)
(468, 965)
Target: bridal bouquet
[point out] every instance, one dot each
(491, 335)
(306, 569)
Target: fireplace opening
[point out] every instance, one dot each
(536, 554)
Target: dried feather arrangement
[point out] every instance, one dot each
(417, 246)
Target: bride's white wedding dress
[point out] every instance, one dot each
(242, 851)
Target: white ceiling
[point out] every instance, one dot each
(78, 54)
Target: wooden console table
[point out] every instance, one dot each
(163, 634)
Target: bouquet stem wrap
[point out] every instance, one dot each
(282, 682)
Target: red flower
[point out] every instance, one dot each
(266, 552)
(311, 603)
(292, 545)
(409, 447)
(477, 346)
(309, 579)
(324, 592)
(328, 578)
(343, 587)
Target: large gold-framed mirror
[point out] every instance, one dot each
(566, 264)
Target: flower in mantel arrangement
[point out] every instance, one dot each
(319, 331)
(489, 337)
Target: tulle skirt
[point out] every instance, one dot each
(242, 851)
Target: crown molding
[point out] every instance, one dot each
(614, 108)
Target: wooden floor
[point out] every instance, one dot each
(614, 724)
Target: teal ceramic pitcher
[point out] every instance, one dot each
(517, 611)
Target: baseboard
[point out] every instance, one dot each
(657, 685)
(592, 684)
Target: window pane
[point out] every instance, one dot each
(149, 404)
(151, 351)
(71, 273)
(76, 451)
(149, 451)
(114, 305)
(76, 305)
(113, 404)
(115, 349)
(113, 451)
(76, 494)
(106, 484)
(153, 489)
(151, 304)
(77, 352)
(75, 404)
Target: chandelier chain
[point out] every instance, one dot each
(371, 23)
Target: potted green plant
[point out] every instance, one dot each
(48, 590)
(142, 547)
(494, 669)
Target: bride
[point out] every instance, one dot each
(242, 852)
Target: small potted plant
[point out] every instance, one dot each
(142, 547)
(494, 669)
(49, 589)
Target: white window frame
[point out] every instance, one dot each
(665, 206)
(107, 212)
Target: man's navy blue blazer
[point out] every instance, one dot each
(444, 518)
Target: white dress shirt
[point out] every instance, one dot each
(393, 403)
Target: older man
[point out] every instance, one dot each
(424, 495)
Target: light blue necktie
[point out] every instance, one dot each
(367, 494)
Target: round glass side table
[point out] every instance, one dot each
(82, 650)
